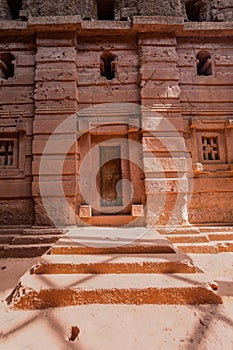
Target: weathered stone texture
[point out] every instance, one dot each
(222, 10)
(201, 10)
(88, 8)
(54, 8)
(193, 86)
(211, 207)
(96, 89)
(55, 100)
(61, 214)
(126, 9)
(197, 10)
(4, 10)
(167, 195)
(211, 99)
(160, 8)
(17, 106)
(16, 211)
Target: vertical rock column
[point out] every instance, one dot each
(165, 162)
(54, 146)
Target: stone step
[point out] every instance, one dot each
(69, 248)
(221, 236)
(111, 220)
(188, 238)
(212, 247)
(202, 237)
(11, 230)
(46, 291)
(214, 228)
(23, 239)
(43, 231)
(198, 248)
(183, 230)
(22, 251)
(102, 240)
(192, 230)
(6, 239)
(224, 247)
(135, 263)
(64, 246)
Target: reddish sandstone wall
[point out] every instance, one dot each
(206, 107)
(156, 70)
(94, 89)
(17, 106)
(55, 100)
(165, 178)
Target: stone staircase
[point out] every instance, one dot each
(202, 239)
(113, 266)
(35, 241)
(22, 241)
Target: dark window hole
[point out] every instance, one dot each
(107, 65)
(15, 6)
(105, 10)
(6, 65)
(204, 65)
(193, 10)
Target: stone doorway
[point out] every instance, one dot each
(110, 175)
(110, 162)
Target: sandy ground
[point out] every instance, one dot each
(114, 327)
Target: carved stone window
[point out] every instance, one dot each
(210, 148)
(105, 10)
(6, 65)
(12, 150)
(8, 148)
(212, 142)
(107, 65)
(204, 64)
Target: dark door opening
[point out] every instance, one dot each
(110, 175)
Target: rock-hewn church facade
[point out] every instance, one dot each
(98, 61)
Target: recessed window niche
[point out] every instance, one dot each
(107, 65)
(6, 65)
(15, 6)
(204, 64)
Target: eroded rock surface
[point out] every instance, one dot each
(191, 10)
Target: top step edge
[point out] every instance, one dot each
(33, 231)
(11, 231)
